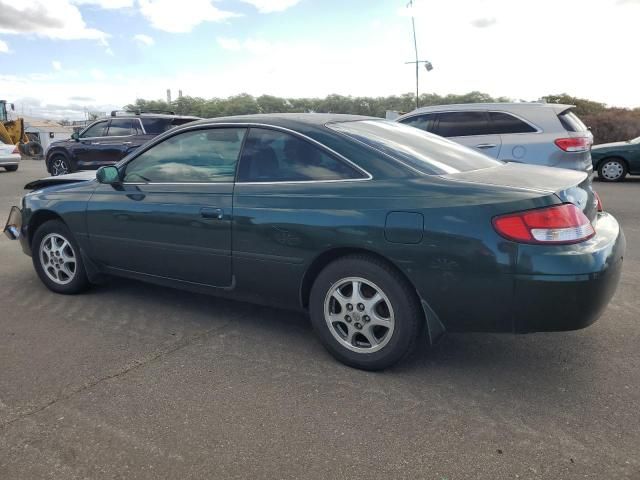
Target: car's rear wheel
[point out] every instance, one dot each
(365, 312)
(11, 168)
(612, 170)
(57, 260)
(59, 165)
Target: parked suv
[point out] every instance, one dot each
(538, 133)
(108, 140)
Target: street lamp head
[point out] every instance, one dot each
(428, 66)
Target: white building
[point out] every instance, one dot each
(45, 131)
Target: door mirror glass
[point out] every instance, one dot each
(108, 175)
(75, 136)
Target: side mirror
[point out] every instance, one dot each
(109, 175)
(75, 136)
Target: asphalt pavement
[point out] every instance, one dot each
(135, 381)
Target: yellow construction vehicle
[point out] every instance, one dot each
(12, 132)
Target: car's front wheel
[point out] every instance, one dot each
(57, 260)
(612, 170)
(59, 165)
(365, 312)
(11, 168)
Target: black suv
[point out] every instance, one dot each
(108, 140)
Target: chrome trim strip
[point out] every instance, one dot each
(201, 126)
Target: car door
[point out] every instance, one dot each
(84, 150)
(469, 128)
(171, 214)
(288, 199)
(118, 140)
(520, 139)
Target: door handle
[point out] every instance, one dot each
(95, 143)
(486, 145)
(215, 213)
(127, 143)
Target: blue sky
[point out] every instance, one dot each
(60, 57)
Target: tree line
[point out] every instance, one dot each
(607, 123)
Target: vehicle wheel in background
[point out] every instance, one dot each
(612, 170)
(366, 313)
(11, 168)
(57, 260)
(59, 165)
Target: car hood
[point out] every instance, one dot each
(603, 146)
(61, 179)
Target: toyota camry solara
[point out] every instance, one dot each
(384, 233)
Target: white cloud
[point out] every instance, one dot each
(46, 18)
(269, 6)
(183, 16)
(57, 65)
(231, 44)
(97, 74)
(106, 4)
(4, 47)
(144, 40)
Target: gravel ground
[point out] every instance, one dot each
(136, 381)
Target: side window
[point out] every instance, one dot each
(462, 124)
(156, 126)
(198, 156)
(504, 123)
(96, 130)
(136, 127)
(272, 156)
(423, 122)
(119, 127)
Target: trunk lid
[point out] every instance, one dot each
(570, 186)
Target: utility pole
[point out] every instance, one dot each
(427, 64)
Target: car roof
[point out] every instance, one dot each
(287, 120)
(507, 106)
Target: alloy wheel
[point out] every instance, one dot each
(359, 315)
(59, 166)
(58, 259)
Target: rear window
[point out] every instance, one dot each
(505, 123)
(156, 126)
(423, 151)
(571, 122)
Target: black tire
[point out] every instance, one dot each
(11, 168)
(78, 281)
(57, 163)
(404, 304)
(612, 165)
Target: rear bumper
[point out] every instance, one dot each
(9, 160)
(578, 284)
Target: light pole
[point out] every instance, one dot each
(427, 63)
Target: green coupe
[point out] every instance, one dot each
(383, 233)
(613, 161)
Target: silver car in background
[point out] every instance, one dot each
(538, 133)
(9, 157)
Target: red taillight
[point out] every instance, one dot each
(16, 150)
(574, 144)
(560, 224)
(599, 206)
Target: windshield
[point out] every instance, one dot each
(423, 151)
